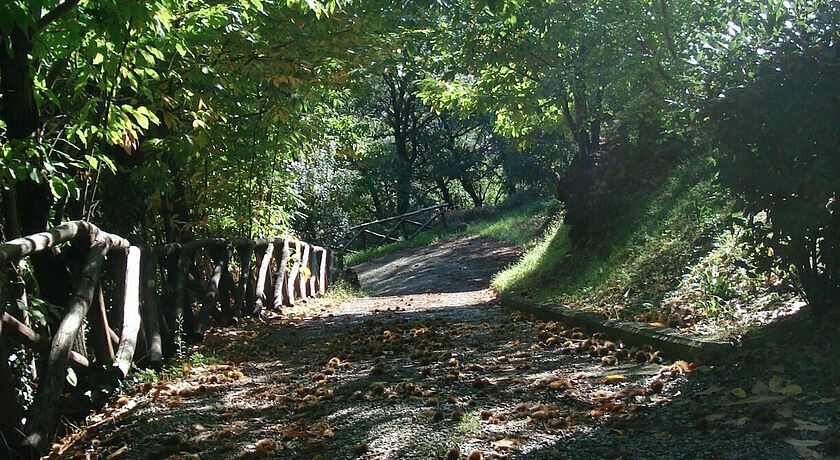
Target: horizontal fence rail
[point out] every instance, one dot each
(150, 317)
(366, 234)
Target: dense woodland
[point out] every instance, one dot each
(167, 121)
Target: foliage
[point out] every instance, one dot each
(798, 181)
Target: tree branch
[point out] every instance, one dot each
(56, 13)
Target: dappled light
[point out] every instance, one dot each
(425, 229)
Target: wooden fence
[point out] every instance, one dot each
(367, 236)
(286, 272)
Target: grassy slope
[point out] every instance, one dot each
(665, 253)
(651, 237)
(520, 225)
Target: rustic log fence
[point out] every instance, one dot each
(152, 316)
(366, 236)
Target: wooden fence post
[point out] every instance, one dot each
(313, 271)
(301, 274)
(181, 311)
(103, 348)
(131, 312)
(330, 263)
(220, 257)
(282, 275)
(291, 278)
(262, 278)
(246, 251)
(321, 273)
(43, 414)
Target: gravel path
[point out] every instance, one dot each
(428, 367)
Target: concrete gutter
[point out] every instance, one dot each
(673, 343)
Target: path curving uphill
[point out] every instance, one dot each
(428, 366)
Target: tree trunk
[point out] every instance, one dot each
(444, 191)
(469, 187)
(402, 185)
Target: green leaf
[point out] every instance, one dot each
(98, 59)
(92, 161)
(58, 187)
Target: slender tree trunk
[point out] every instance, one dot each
(469, 187)
(444, 191)
(403, 176)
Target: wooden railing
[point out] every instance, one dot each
(287, 271)
(368, 237)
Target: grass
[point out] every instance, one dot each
(519, 225)
(646, 241)
(470, 423)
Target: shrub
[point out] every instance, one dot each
(779, 143)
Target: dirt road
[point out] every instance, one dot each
(429, 366)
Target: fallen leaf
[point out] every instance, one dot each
(805, 425)
(739, 392)
(803, 448)
(711, 390)
(760, 388)
(791, 390)
(681, 367)
(615, 378)
(506, 444)
(657, 325)
(785, 410)
(776, 383)
(266, 446)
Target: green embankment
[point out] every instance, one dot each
(662, 251)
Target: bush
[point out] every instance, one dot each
(779, 143)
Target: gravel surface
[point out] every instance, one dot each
(432, 367)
